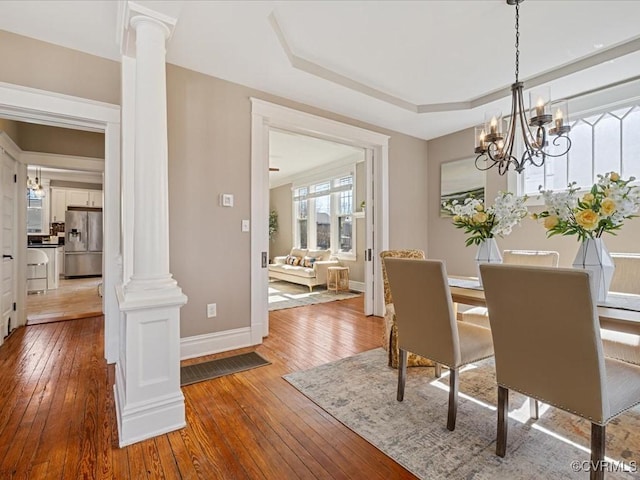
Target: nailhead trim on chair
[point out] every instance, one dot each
(597, 422)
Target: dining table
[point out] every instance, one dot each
(619, 312)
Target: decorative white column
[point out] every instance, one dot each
(149, 401)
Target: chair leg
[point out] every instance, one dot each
(402, 373)
(503, 421)
(438, 370)
(597, 452)
(534, 411)
(453, 399)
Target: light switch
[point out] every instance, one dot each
(226, 200)
(245, 225)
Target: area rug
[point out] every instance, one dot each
(200, 372)
(287, 295)
(360, 392)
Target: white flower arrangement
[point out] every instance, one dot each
(603, 209)
(482, 223)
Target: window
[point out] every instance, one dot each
(602, 141)
(323, 214)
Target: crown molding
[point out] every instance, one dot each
(300, 63)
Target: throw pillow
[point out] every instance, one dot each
(294, 261)
(308, 262)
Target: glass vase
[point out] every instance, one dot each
(488, 252)
(593, 255)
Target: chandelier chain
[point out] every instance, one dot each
(517, 40)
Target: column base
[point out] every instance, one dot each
(149, 401)
(147, 419)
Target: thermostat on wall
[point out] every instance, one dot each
(226, 200)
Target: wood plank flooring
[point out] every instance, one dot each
(75, 298)
(57, 414)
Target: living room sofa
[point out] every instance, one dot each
(304, 267)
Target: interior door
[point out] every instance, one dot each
(369, 257)
(8, 200)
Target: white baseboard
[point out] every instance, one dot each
(200, 345)
(356, 286)
(146, 419)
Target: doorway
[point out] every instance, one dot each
(266, 116)
(49, 108)
(317, 191)
(69, 285)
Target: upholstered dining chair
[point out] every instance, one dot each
(626, 279)
(427, 325)
(390, 330)
(546, 335)
(544, 258)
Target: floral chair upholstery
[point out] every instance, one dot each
(390, 339)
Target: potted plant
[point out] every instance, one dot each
(273, 224)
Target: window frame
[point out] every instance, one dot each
(334, 207)
(596, 104)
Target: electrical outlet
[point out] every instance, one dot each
(212, 310)
(245, 225)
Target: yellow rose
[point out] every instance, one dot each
(587, 219)
(614, 177)
(479, 207)
(457, 218)
(608, 206)
(550, 222)
(588, 198)
(479, 217)
(534, 216)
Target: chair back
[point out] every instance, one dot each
(626, 276)
(418, 254)
(35, 256)
(424, 310)
(544, 258)
(546, 336)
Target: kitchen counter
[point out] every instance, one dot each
(44, 245)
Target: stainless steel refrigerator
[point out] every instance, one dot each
(83, 242)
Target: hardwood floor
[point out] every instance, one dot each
(74, 298)
(57, 418)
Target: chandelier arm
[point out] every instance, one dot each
(557, 143)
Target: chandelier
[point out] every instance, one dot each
(495, 148)
(34, 187)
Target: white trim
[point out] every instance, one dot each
(266, 115)
(140, 422)
(595, 58)
(216, 342)
(356, 286)
(49, 108)
(71, 162)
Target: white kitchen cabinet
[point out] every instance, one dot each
(60, 259)
(61, 198)
(95, 198)
(78, 198)
(58, 204)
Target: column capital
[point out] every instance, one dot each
(132, 14)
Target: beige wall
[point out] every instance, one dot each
(447, 242)
(281, 201)
(32, 63)
(63, 141)
(209, 153)
(10, 128)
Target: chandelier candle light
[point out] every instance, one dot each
(495, 149)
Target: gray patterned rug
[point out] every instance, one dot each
(360, 392)
(288, 295)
